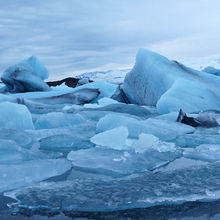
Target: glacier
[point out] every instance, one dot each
(86, 149)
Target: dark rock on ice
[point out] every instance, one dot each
(70, 82)
(195, 122)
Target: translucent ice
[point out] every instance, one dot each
(148, 142)
(114, 138)
(20, 137)
(204, 152)
(15, 116)
(196, 183)
(64, 143)
(57, 120)
(21, 174)
(164, 129)
(106, 101)
(11, 153)
(37, 66)
(108, 161)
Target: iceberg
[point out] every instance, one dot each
(169, 85)
(28, 75)
(39, 69)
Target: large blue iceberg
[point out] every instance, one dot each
(26, 76)
(169, 85)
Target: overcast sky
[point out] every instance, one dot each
(71, 36)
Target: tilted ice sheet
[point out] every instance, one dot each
(115, 162)
(11, 153)
(64, 143)
(13, 176)
(114, 138)
(20, 137)
(173, 187)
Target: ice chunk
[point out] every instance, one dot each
(114, 120)
(7, 98)
(11, 153)
(181, 163)
(20, 137)
(83, 81)
(212, 70)
(17, 175)
(26, 76)
(196, 139)
(130, 109)
(204, 152)
(107, 161)
(106, 89)
(26, 81)
(78, 97)
(106, 101)
(94, 105)
(188, 95)
(57, 120)
(64, 143)
(148, 142)
(133, 156)
(114, 138)
(169, 85)
(196, 183)
(15, 116)
(164, 129)
(39, 69)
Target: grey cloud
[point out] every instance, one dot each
(70, 35)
